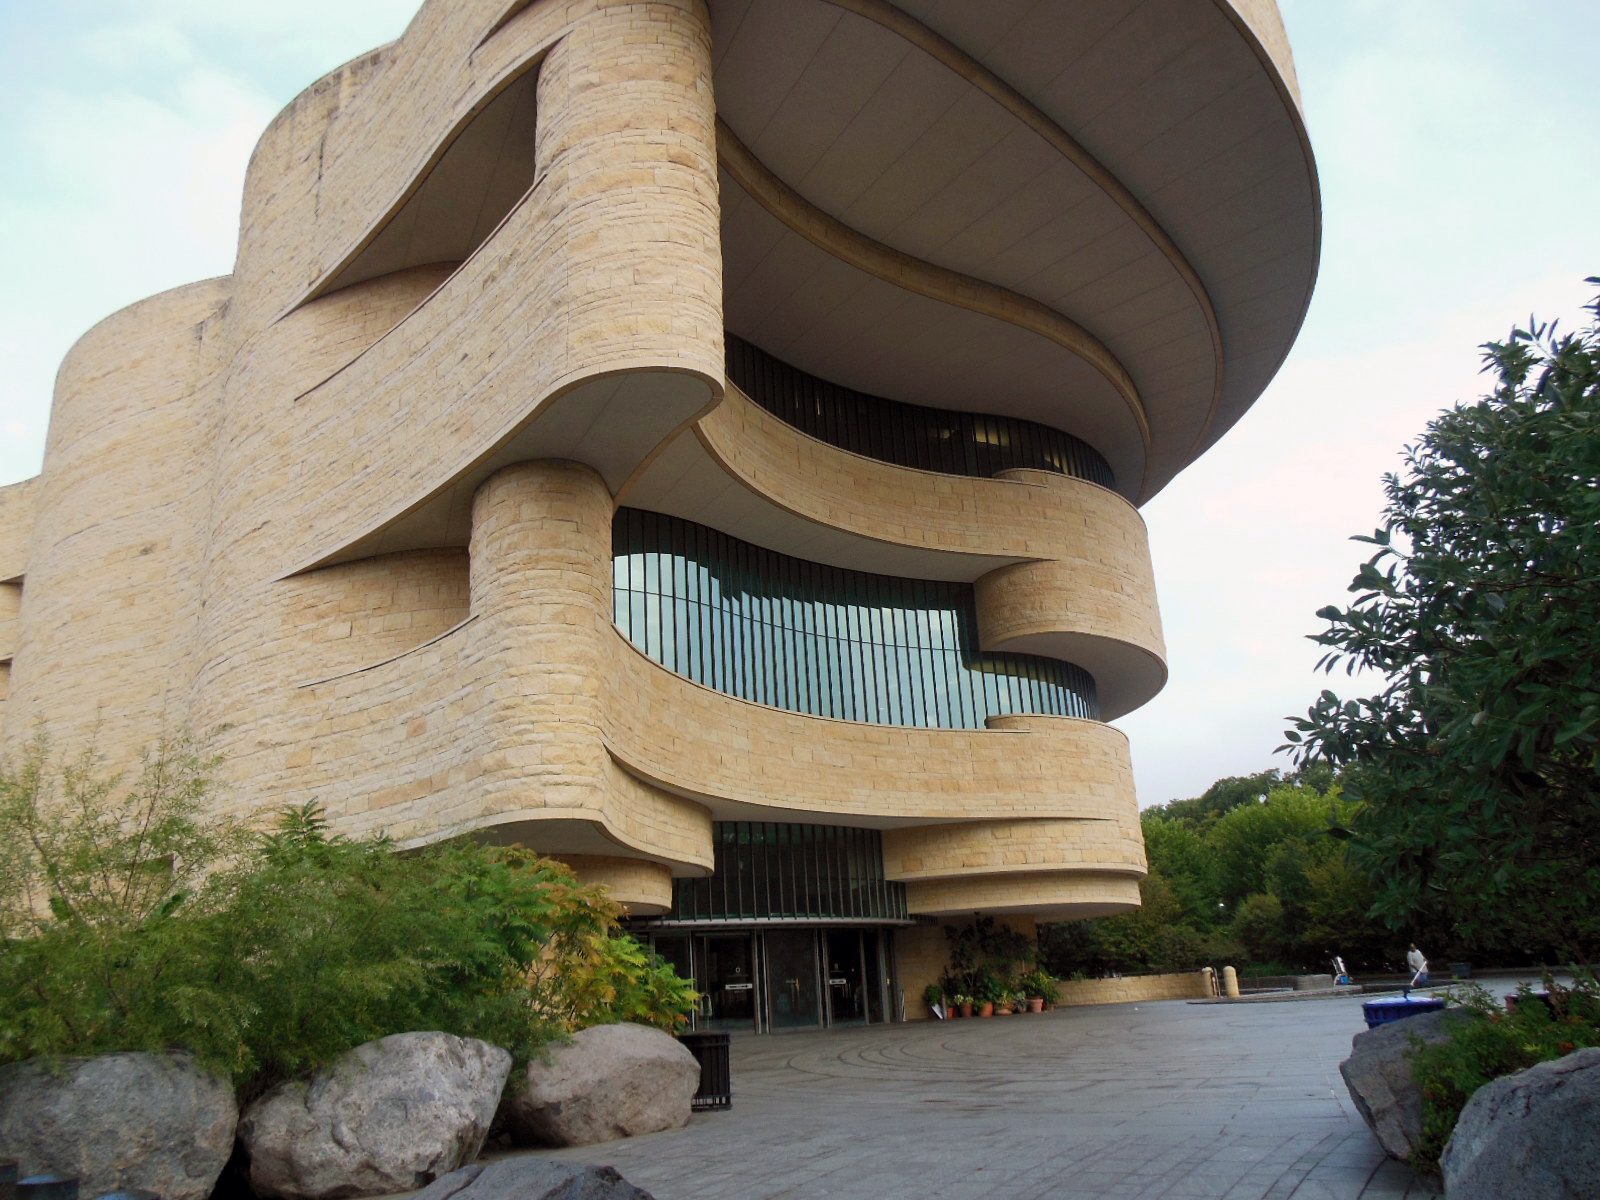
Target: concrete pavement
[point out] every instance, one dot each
(1121, 1102)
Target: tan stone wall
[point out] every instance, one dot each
(1189, 985)
(645, 888)
(986, 847)
(103, 638)
(1048, 895)
(1080, 584)
(16, 527)
(361, 537)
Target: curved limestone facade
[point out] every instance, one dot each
(670, 434)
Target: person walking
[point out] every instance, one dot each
(1418, 965)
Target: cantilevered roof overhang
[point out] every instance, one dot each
(1098, 214)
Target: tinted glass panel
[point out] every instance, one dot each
(773, 870)
(762, 626)
(909, 435)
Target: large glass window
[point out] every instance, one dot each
(766, 870)
(909, 435)
(816, 639)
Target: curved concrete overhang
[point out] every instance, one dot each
(1046, 896)
(1098, 214)
(1062, 566)
(548, 339)
(1014, 847)
(745, 761)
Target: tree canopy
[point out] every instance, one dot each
(1474, 766)
(1248, 873)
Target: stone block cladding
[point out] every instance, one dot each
(351, 520)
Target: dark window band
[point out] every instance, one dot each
(773, 871)
(908, 435)
(817, 639)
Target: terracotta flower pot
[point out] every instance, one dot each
(965, 1010)
(1035, 1003)
(987, 1010)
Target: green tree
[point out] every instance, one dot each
(1480, 609)
(1258, 924)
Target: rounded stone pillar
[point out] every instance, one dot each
(541, 590)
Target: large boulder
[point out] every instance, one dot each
(1381, 1080)
(389, 1116)
(156, 1122)
(610, 1081)
(1529, 1135)
(529, 1178)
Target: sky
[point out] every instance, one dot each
(1458, 145)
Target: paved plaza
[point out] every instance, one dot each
(1122, 1102)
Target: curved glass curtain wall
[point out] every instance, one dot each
(822, 640)
(771, 871)
(908, 435)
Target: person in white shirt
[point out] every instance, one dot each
(1418, 965)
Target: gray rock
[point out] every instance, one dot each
(611, 1081)
(156, 1122)
(1379, 1076)
(389, 1116)
(527, 1178)
(1530, 1135)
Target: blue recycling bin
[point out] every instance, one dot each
(1398, 1008)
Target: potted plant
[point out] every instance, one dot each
(1041, 989)
(988, 990)
(963, 1004)
(933, 996)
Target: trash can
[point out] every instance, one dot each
(9, 1170)
(716, 1074)
(1461, 970)
(47, 1187)
(1397, 1008)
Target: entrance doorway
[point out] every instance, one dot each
(772, 980)
(726, 963)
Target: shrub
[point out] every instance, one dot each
(134, 921)
(1498, 1043)
(1040, 983)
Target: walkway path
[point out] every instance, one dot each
(1116, 1103)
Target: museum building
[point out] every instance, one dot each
(701, 442)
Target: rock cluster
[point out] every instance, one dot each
(389, 1116)
(119, 1121)
(611, 1081)
(1382, 1083)
(402, 1113)
(1530, 1135)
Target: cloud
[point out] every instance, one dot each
(127, 130)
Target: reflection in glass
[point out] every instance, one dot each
(793, 997)
(908, 435)
(766, 870)
(821, 640)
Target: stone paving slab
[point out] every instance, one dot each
(1121, 1102)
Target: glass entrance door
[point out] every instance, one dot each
(847, 987)
(727, 981)
(794, 1000)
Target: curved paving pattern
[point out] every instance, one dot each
(1123, 1102)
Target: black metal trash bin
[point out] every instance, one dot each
(716, 1075)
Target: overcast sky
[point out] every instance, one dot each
(1458, 143)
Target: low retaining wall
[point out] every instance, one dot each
(1189, 985)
